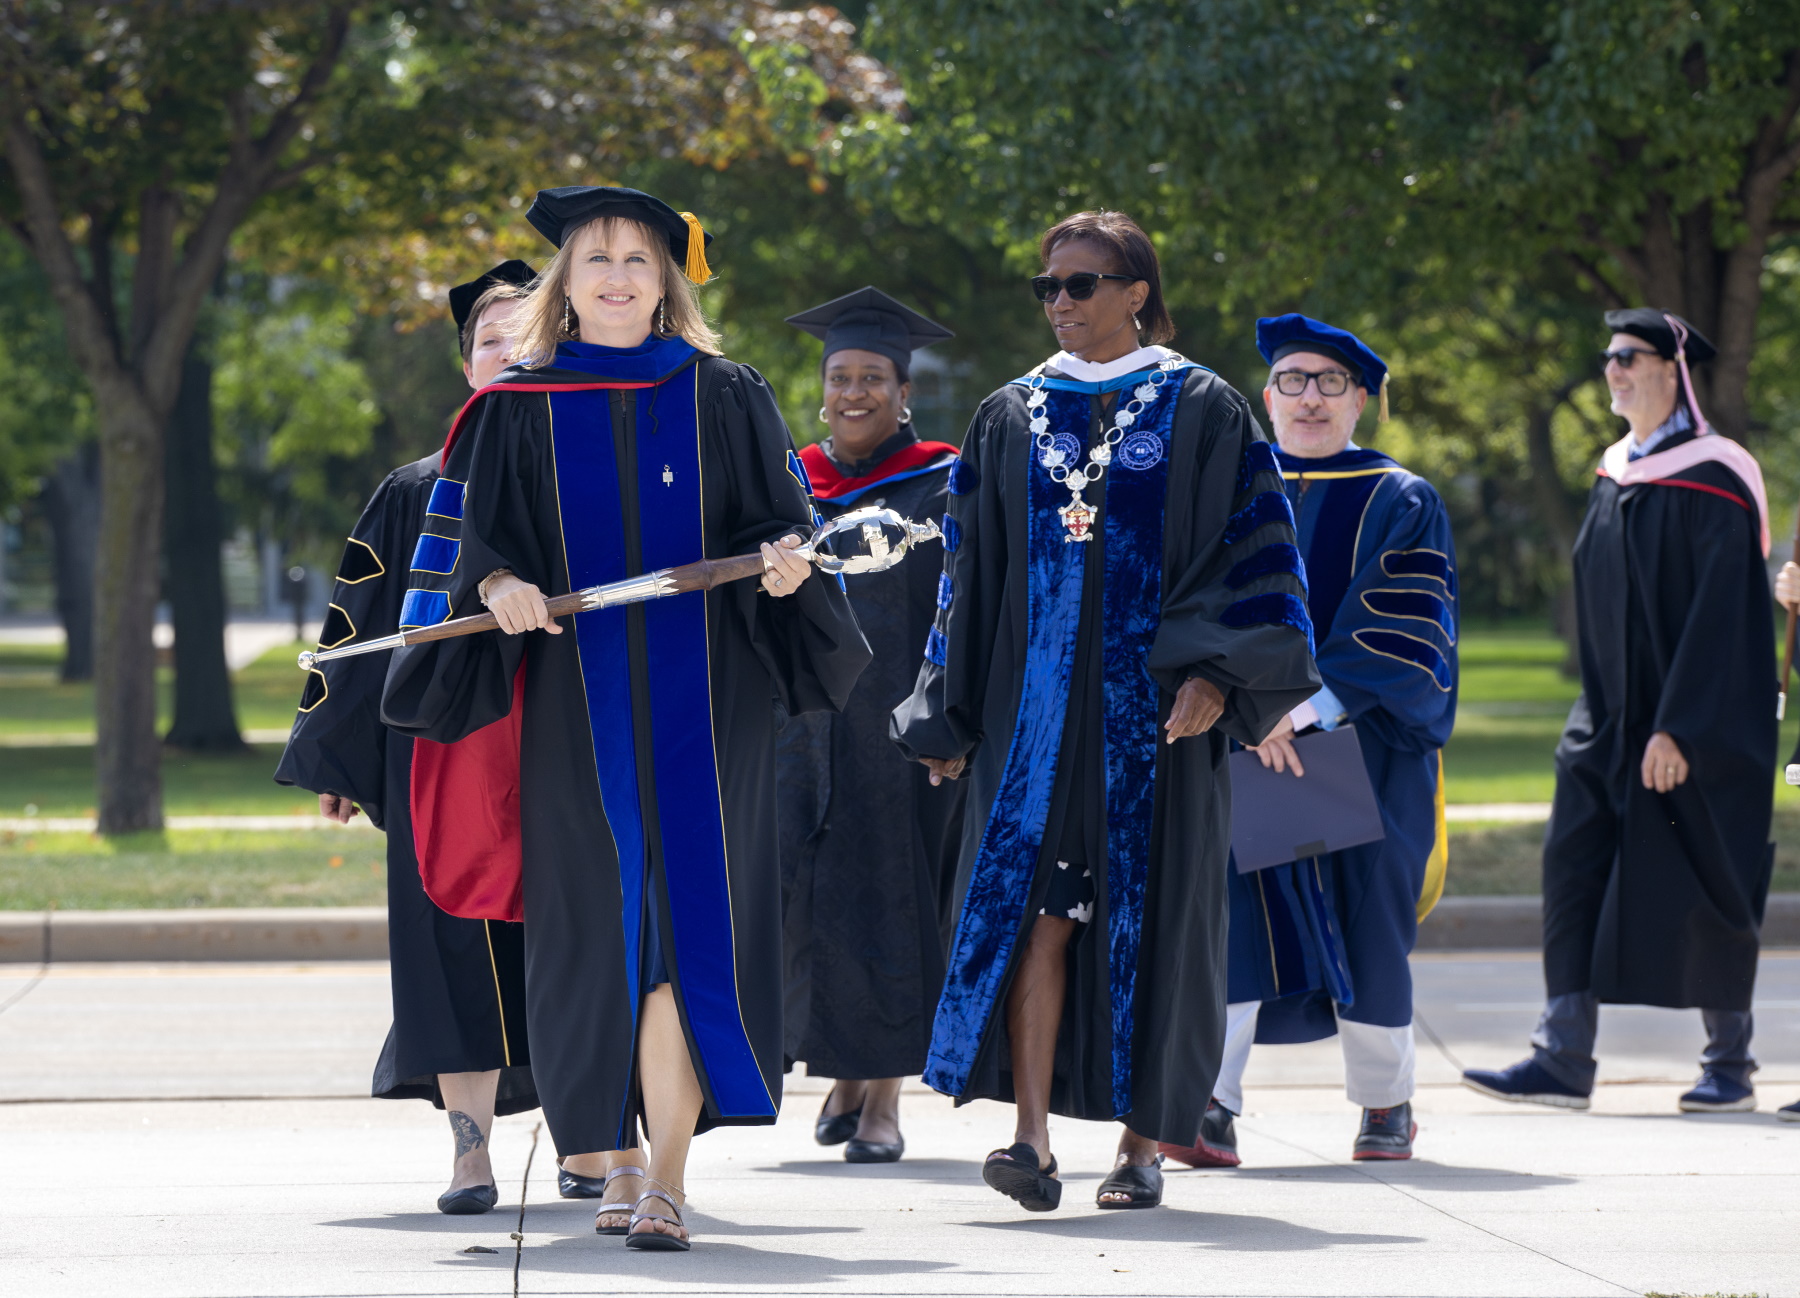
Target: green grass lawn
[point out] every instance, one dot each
(1511, 709)
(33, 701)
(192, 868)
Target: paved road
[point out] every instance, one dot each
(239, 1193)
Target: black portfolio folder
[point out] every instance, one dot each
(1277, 817)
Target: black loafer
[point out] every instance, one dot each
(838, 1128)
(573, 1185)
(469, 1201)
(873, 1151)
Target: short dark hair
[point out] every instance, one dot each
(500, 292)
(1132, 254)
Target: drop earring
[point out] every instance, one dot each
(822, 418)
(569, 326)
(1135, 326)
(662, 317)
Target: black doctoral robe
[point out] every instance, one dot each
(1651, 898)
(868, 846)
(458, 984)
(1227, 542)
(540, 457)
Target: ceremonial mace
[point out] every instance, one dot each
(876, 539)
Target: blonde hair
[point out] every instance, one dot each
(537, 325)
(492, 294)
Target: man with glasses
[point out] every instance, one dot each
(1320, 946)
(1656, 861)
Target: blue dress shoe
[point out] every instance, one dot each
(1526, 1082)
(1789, 1112)
(1717, 1093)
(1386, 1133)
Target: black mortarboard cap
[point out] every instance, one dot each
(871, 321)
(464, 296)
(1653, 327)
(558, 213)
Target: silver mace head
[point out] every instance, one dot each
(307, 659)
(870, 539)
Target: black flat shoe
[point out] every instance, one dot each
(1144, 1185)
(873, 1151)
(573, 1185)
(838, 1128)
(1015, 1173)
(469, 1201)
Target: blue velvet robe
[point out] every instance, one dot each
(1381, 575)
(1052, 668)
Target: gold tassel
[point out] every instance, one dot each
(696, 268)
(1384, 410)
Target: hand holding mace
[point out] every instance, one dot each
(870, 539)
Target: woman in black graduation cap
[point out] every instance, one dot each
(650, 882)
(458, 1037)
(868, 844)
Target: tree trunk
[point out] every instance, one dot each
(127, 756)
(1556, 512)
(71, 501)
(204, 719)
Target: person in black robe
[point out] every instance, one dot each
(649, 879)
(1101, 637)
(1657, 856)
(458, 1036)
(868, 844)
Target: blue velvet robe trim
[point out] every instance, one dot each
(683, 759)
(963, 478)
(1259, 457)
(1005, 866)
(952, 533)
(1266, 562)
(1275, 608)
(1264, 508)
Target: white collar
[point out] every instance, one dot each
(1089, 372)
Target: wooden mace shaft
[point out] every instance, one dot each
(701, 575)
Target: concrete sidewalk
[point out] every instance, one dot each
(138, 1162)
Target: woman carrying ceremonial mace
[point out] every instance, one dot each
(639, 750)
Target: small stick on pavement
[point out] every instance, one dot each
(524, 1185)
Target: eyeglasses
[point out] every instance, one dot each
(1332, 383)
(1081, 284)
(1625, 356)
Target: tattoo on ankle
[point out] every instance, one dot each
(468, 1134)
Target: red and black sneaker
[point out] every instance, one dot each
(1216, 1145)
(1386, 1133)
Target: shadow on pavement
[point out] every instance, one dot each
(1416, 1171)
(1178, 1226)
(943, 1171)
(712, 1262)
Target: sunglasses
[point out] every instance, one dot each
(1332, 383)
(1080, 285)
(1625, 356)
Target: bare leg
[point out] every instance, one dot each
(1135, 1150)
(1034, 1006)
(672, 1101)
(469, 1102)
(624, 1189)
(880, 1110)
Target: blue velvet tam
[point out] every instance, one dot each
(1277, 336)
